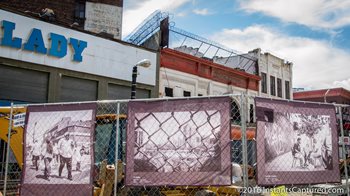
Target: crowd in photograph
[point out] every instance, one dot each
(56, 154)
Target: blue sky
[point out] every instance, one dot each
(313, 34)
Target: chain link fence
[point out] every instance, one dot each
(110, 152)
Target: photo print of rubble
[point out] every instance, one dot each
(183, 139)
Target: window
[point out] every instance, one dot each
(187, 94)
(272, 86)
(263, 83)
(287, 90)
(79, 12)
(200, 95)
(279, 87)
(168, 92)
(251, 113)
(235, 113)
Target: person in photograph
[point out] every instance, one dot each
(307, 153)
(47, 153)
(65, 148)
(36, 154)
(296, 151)
(78, 153)
(316, 154)
(55, 153)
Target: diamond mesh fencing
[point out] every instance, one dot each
(168, 146)
(295, 146)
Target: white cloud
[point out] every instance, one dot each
(181, 14)
(325, 14)
(203, 12)
(343, 83)
(138, 11)
(317, 64)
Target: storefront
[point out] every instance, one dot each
(41, 62)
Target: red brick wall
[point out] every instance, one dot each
(64, 9)
(189, 64)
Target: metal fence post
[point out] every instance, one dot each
(8, 148)
(244, 140)
(343, 148)
(116, 151)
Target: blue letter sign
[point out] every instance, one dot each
(7, 40)
(36, 43)
(78, 47)
(58, 45)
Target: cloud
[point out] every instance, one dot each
(324, 14)
(343, 83)
(137, 11)
(181, 14)
(203, 12)
(316, 63)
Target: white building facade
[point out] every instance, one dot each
(276, 75)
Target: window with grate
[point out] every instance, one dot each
(187, 94)
(251, 113)
(79, 12)
(235, 113)
(272, 86)
(169, 92)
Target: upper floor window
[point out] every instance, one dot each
(287, 90)
(79, 12)
(263, 83)
(279, 87)
(272, 86)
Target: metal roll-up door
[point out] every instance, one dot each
(24, 85)
(124, 92)
(77, 89)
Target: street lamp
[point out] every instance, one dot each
(143, 63)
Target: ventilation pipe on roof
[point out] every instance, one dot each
(325, 95)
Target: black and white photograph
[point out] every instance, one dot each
(297, 143)
(180, 142)
(175, 142)
(58, 145)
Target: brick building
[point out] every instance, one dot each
(332, 95)
(97, 16)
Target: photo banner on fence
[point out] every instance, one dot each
(179, 142)
(297, 143)
(58, 150)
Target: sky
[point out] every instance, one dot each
(313, 34)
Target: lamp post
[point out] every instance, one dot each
(143, 63)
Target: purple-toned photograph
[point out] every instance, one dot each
(296, 143)
(58, 148)
(301, 142)
(182, 143)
